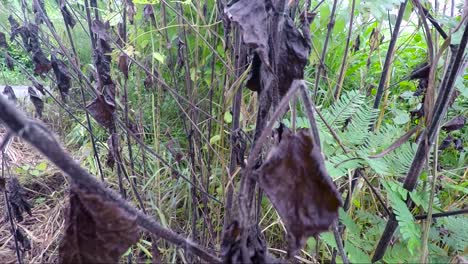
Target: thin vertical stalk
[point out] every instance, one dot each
(321, 65)
(388, 58)
(345, 56)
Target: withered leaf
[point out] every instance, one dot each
(3, 43)
(295, 180)
(62, 76)
(23, 239)
(97, 229)
(37, 101)
(18, 201)
(148, 11)
(252, 17)
(101, 111)
(123, 65)
(458, 144)
(39, 11)
(42, 65)
(110, 162)
(292, 57)
(231, 251)
(67, 16)
(15, 26)
(9, 93)
(9, 62)
(101, 56)
(446, 142)
(38, 86)
(455, 123)
(131, 11)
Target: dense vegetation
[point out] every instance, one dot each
(183, 121)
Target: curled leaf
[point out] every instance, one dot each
(131, 11)
(101, 56)
(67, 16)
(102, 111)
(9, 62)
(9, 93)
(18, 202)
(23, 239)
(62, 76)
(42, 65)
(38, 86)
(252, 18)
(231, 250)
(455, 123)
(3, 43)
(295, 180)
(97, 229)
(39, 11)
(37, 101)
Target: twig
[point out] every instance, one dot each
(41, 138)
(444, 214)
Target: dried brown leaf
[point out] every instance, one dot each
(67, 16)
(295, 180)
(37, 101)
(97, 229)
(101, 111)
(455, 123)
(9, 93)
(9, 62)
(131, 11)
(62, 76)
(18, 202)
(3, 43)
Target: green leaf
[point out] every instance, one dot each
(329, 239)
(35, 172)
(41, 166)
(227, 117)
(159, 57)
(356, 255)
(215, 139)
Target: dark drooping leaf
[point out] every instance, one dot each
(123, 65)
(110, 161)
(131, 11)
(252, 17)
(97, 229)
(42, 65)
(101, 56)
(67, 16)
(102, 111)
(9, 93)
(15, 27)
(3, 43)
(455, 124)
(446, 142)
(9, 62)
(39, 11)
(62, 76)
(295, 180)
(23, 239)
(231, 250)
(38, 86)
(18, 201)
(37, 101)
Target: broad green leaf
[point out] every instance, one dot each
(159, 57)
(227, 117)
(41, 166)
(215, 139)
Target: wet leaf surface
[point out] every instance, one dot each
(295, 180)
(17, 198)
(9, 93)
(97, 229)
(62, 76)
(37, 102)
